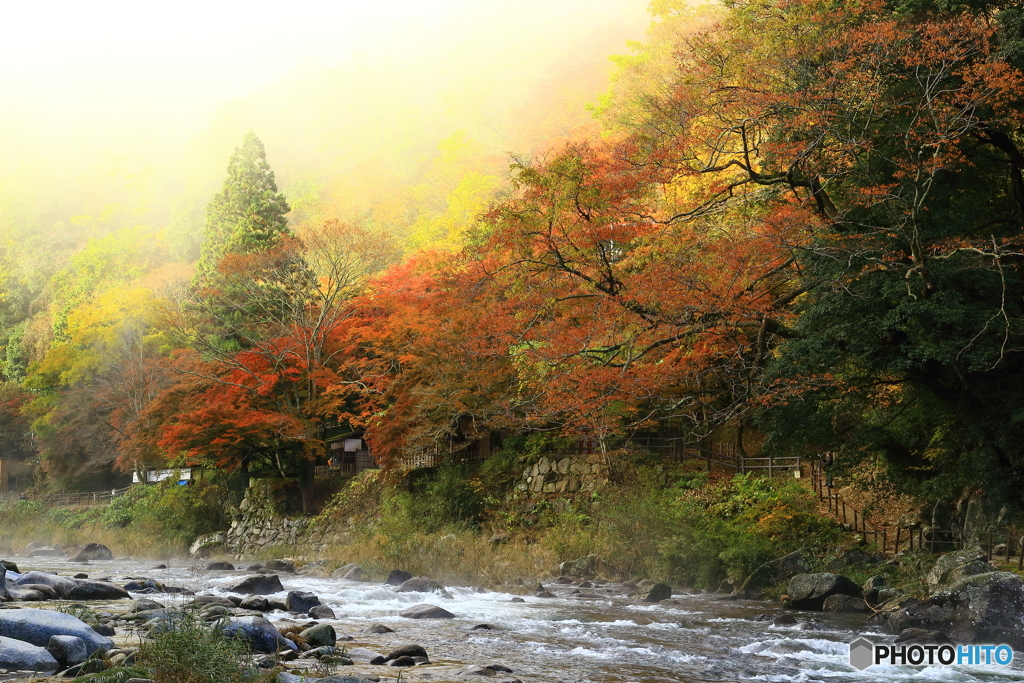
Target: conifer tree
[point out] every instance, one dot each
(248, 215)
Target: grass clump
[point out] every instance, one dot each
(185, 650)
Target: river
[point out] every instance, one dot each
(608, 638)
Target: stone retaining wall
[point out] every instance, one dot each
(259, 524)
(564, 474)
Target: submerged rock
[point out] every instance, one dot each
(427, 611)
(420, 584)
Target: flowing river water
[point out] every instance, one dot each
(608, 638)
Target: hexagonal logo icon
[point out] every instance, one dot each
(862, 653)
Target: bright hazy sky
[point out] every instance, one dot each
(164, 90)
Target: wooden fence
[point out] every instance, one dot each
(916, 538)
(78, 499)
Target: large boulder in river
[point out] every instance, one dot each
(4, 597)
(37, 626)
(779, 569)
(61, 584)
(954, 566)
(259, 634)
(426, 611)
(91, 551)
(97, 590)
(301, 602)
(985, 608)
(17, 655)
(808, 591)
(260, 584)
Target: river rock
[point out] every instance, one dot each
(210, 600)
(37, 626)
(420, 584)
(17, 655)
(583, 566)
(61, 584)
(954, 566)
(20, 594)
(366, 656)
(985, 608)
(844, 603)
(475, 670)
(48, 593)
(321, 612)
(255, 602)
(46, 551)
(91, 551)
(10, 566)
(207, 545)
(808, 591)
(341, 571)
(220, 566)
(4, 596)
(397, 577)
(97, 590)
(285, 677)
(260, 584)
(68, 650)
(779, 569)
(427, 611)
(658, 592)
(281, 566)
(301, 602)
(145, 605)
(919, 636)
(259, 634)
(321, 635)
(407, 651)
(354, 573)
(374, 629)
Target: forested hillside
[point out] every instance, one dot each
(796, 218)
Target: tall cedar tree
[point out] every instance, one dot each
(249, 213)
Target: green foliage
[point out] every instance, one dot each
(447, 496)
(248, 214)
(175, 514)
